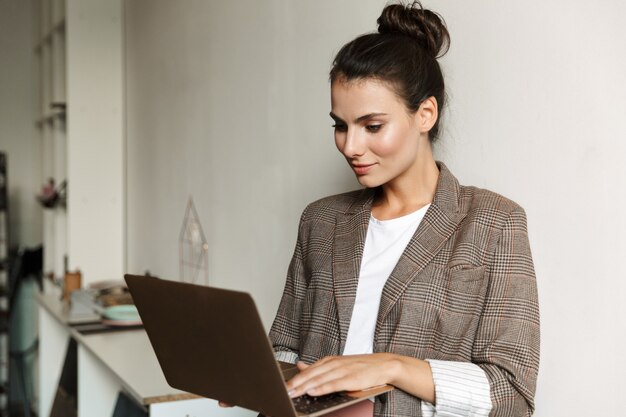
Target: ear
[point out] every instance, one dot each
(427, 114)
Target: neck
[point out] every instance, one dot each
(411, 191)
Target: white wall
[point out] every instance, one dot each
(228, 101)
(538, 97)
(18, 135)
(229, 104)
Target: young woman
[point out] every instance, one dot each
(415, 281)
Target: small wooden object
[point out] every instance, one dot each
(71, 283)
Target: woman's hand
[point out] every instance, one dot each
(357, 372)
(342, 373)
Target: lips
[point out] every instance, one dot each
(362, 169)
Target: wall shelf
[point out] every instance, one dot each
(49, 119)
(58, 28)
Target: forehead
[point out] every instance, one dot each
(363, 96)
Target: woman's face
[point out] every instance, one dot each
(374, 131)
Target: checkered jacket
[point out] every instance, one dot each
(463, 290)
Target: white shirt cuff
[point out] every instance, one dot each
(461, 390)
(286, 356)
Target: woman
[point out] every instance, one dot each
(414, 281)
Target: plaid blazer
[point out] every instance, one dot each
(463, 290)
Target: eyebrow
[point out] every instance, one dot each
(358, 119)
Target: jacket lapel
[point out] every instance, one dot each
(349, 240)
(437, 226)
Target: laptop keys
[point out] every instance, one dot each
(307, 404)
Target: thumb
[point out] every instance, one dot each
(301, 365)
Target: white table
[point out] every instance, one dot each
(108, 363)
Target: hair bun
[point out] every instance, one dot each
(426, 26)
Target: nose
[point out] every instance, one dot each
(354, 144)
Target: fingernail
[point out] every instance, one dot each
(290, 393)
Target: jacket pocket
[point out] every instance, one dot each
(467, 273)
(459, 290)
(453, 303)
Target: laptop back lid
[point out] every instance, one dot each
(211, 342)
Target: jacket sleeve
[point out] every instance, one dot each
(285, 331)
(507, 341)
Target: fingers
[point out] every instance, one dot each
(330, 386)
(322, 377)
(223, 404)
(341, 373)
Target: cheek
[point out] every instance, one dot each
(391, 143)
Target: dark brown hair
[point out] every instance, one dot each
(403, 53)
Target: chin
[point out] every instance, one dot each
(368, 182)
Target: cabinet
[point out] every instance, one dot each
(79, 107)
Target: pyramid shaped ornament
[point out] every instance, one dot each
(194, 249)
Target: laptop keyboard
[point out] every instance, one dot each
(308, 404)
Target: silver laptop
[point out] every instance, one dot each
(211, 342)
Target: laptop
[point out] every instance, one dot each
(211, 342)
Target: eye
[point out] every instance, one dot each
(373, 128)
(340, 127)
